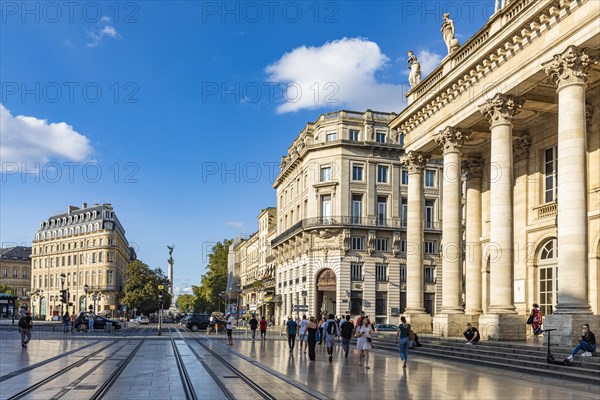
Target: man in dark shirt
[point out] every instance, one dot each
(471, 334)
(25, 326)
(347, 329)
(291, 331)
(253, 325)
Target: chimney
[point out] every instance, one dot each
(71, 209)
(84, 205)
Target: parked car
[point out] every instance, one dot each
(385, 328)
(142, 320)
(81, 323)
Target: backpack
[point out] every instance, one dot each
(23, 323)
(331, 328)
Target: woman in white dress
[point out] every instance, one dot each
(364, 333)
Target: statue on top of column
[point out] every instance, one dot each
(415, 69)
(448, 34)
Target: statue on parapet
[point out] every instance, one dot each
(415, 69)
(448, 34)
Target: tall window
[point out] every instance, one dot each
(380, 303)
(356, 212)
(357, 172)
(15, 273)
(429, 178)
(330, 136)
(325, 173)
(356, 272)
(404, 176)
(358, 243)
(402, 273)
(381, 210)
(404, 212)
(429, 214)
(429, 247)
(356, 302)
(380, 137)
(381, 244)
(550, 174)
(548, 275)
(429, 275)
(353, 135)
(382, 174)
(326, 208)
(381, 273)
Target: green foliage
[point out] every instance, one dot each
(6, 289)
(141, 288)
(186, 302)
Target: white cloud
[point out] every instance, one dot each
(102, 30)
(429, 61)
(235, 224)
(30, 140)
(339, 74)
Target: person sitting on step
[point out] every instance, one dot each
(471, 334)
(587, 344)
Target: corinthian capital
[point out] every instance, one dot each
(571, 66)
(501, 108)
(415, 161)
(451, 139)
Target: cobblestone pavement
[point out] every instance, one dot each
(135, 363)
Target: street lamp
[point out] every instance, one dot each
(160, 300)
(63, 297)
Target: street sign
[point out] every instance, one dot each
(300, 307)
(124, 308)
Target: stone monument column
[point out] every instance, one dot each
(415, 312)
(451, 320)
(501, 322)
(569, 70)
(473, 256)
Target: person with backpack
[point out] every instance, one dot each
(291, 327)
(263, 328)
(253, 325)
(25, 327)
(347, 330)
(403, 340)
(331, 331)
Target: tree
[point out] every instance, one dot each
(6, 289)
(186, 302)
(141, 287)
(214, 281)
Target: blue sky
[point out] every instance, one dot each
(178, 113)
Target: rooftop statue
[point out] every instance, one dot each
(448, 34)
(415, 69)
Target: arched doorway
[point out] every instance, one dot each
(547, 275)
(326, 292)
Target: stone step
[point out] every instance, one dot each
(579, 371)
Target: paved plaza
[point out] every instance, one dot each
(100, 365)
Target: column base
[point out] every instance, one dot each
(420, 323)
(450, 325)
(568, 327)
(511, 327)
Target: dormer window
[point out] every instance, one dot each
(380, 137)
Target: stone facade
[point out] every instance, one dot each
(341, 244)
(87, 245)
(15, 272)
(526, 88)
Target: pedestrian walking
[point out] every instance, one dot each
(303, 336)
(263, 328)
(536, 318)
(403, 340)
(364, 333)
(25, 327)
(229, 328)
(347, 330)
(331, 332)
(253, 325)
(587, 344)
(291, 332)
(311, 331)
(91, 322)
(73, 318)
(66, 319)
(320, 328)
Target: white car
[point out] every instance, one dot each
(142, 320)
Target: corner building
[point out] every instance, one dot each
(515, 109)
(87, 245)
(341, 242)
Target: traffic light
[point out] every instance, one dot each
(63, 296)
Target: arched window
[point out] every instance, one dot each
(90, 228)
(94, 215)
(97, 226)
(37, 236)
(60, 233)
(547, 273)
(53, 234)
(83, 229)
(70, 231)
(77, 230)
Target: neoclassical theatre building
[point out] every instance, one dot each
(341, 242)
(516, 110)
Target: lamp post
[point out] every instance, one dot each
(160, 300)
(63, 298)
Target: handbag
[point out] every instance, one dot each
(530, 320)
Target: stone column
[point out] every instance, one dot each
(415, 311)
(473, 256)
(451, 320)
(499, 323)
(569, 71)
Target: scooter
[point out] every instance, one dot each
(550, 357)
